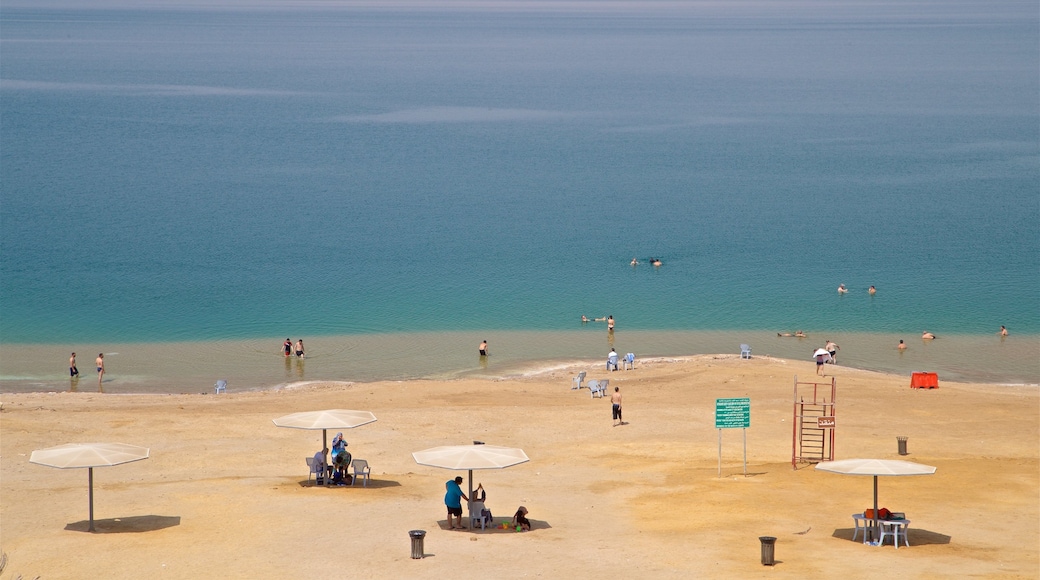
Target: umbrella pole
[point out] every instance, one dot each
(874, 532)
(469, 502)
(90, 494)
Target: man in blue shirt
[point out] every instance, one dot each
(453, 499)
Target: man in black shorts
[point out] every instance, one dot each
(615, 406)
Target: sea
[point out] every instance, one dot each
(184, 184)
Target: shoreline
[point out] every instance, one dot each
(257, 364)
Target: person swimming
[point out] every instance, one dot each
(634, 262)
(872, 291)
(842, 289)
(927, 335)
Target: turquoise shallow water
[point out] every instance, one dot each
(170, 176)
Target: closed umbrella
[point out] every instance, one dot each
(470, 457)
(875, 467)
(89, 455)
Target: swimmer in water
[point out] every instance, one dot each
(927, 335)
(634, 262)
(1003, 331)
(584, 319)
(902, 345)
(872, 291)
(655, 261)
(842, 289)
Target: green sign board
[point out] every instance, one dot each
(733, 413)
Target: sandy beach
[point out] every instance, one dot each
(225, 492)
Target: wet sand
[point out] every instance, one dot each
(193, 367)
(225, 492)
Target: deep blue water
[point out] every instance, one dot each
(197, 175)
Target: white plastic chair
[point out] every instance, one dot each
(745, 351)
(476, 515)
(599, 389)
(578, 380)
(629, 362)
(314, 467)
(361, 469)
(220, 387)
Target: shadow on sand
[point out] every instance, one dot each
(495, 527)
(129, 525)
(372, 484)
(916, 536)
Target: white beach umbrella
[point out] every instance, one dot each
(470, 457)
(325, 420)
(88, 455)
(875, 467)
(820, 351)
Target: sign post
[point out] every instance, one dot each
(733, 414)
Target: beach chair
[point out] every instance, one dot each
(599, 389)
(578, 380)
(629, 362)
(361, 469)
(477, 515)
(745, 351)
(220, 387)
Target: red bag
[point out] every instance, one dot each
(883, 514)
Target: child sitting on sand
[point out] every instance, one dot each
(520, 519)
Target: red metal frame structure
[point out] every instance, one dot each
(811, 440)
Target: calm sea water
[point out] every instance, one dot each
(241, 174)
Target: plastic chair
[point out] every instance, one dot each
(745, 351)
(477, 516)
(361, 469)
(315, 468)
(578, 380)
(599, 389)
(220, 387)
(629, 362)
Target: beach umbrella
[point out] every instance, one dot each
(89, 455)
(820, 351)
(875, 468)
(325, 420)
(470, 457)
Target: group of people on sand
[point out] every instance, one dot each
(337, 470)
(99, 362)
(453, 497)
(289, 349)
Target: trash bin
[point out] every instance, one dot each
(417, 543)
(902, 445)
(768, 549)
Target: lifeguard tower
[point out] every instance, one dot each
(812, 437)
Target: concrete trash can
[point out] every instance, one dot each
(417, 543)
(768, 549)
(902, 445)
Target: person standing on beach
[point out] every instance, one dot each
(100, 362)
(453, 500)
(299, 348)
(73, 371)
(287, 347)
(615, 406)
(833, 349)
(483, 348)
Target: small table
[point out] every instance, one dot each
(893, 528)
(888, 528)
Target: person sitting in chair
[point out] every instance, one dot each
(520, 519)
(319, 465)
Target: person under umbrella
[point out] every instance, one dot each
(340, 456)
